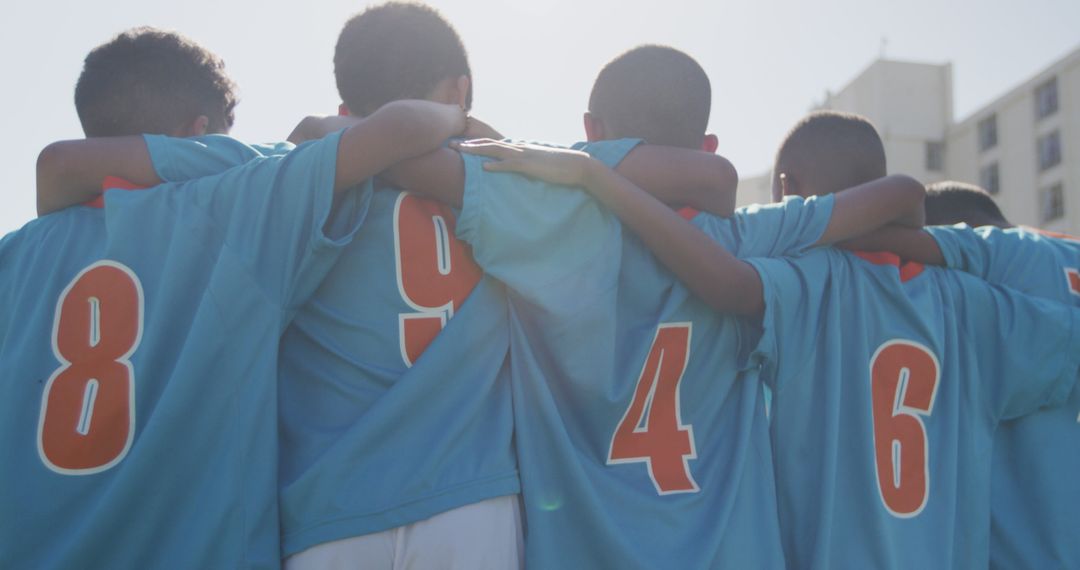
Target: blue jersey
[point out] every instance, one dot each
(138, 356)
(641, 443)
(384, 419)
(1037, 457)
(889, 381)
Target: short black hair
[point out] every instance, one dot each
(952, 202)
(147, 80)
(831, 151)
(396, 50)
(656, 93)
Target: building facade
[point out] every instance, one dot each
(1023, 147)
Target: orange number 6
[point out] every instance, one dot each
(903, 383)
(87, 418)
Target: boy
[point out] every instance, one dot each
(139, 342)
(615, 362)
(939, 486)
(1037, 457)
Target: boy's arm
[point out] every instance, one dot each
(71, 172)
(724, 282)
(909, 243)
(895, 199)
(675, 176)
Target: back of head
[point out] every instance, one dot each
(655, 93)
(829, 151)
(396, 50)
(952, 202)
(152, 81)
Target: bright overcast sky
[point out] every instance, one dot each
(534, 61)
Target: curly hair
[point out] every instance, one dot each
(147, 80)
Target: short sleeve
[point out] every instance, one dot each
(551, 244)
(274, 211)
(967, 249)
(786, 228)
(786, 332)
(1028, 348)
(180, 159)
(609, 152)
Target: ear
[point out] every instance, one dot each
(343, 110)
(710, 143)
(594, 128)
(196, 128)
(463, 83)
(788, 185)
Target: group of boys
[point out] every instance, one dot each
(374, 350)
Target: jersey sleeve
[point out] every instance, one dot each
(974, 251)
(1028, 348)
(553, 245)
(275, 215)
(180, 159)
(787, 228)
(785, 335)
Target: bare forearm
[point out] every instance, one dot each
(895, 199)
(397, 131)
(724, 282)
(681, 177)
(438, 175)
(910, 244)
(71, 172)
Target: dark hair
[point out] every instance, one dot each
(397, 50)
(952, 202)
(147, 80)
(656, 93)
(830, 151)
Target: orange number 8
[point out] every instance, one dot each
(87, 419)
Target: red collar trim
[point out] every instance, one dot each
(110, 183)
(908, 269)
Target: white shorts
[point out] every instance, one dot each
(474, 537)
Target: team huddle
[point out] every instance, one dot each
(400, 340)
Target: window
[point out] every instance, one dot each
(935, 156)
(1049, 149)
(989, 178)
(988, 133)
(1046, 99)
(1052, 202)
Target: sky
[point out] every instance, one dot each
(534, 61)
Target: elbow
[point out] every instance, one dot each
(50, 165)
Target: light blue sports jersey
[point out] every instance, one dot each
(1037, 457)
(889, 381)
(374, 436)
(138, 356)
(641, 444)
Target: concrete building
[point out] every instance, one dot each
(1024, 146)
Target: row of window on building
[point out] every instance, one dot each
(1047, 147)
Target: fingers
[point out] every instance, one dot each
(489, 148)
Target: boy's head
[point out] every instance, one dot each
(152, 81)
(952, 202)
(652, 92)
(827, 152)
(400, 50)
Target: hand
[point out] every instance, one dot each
(477, 129)
(318, 126)
(554, 165)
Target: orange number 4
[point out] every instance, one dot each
(651, 429)
(87, 418)
(903, 384)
